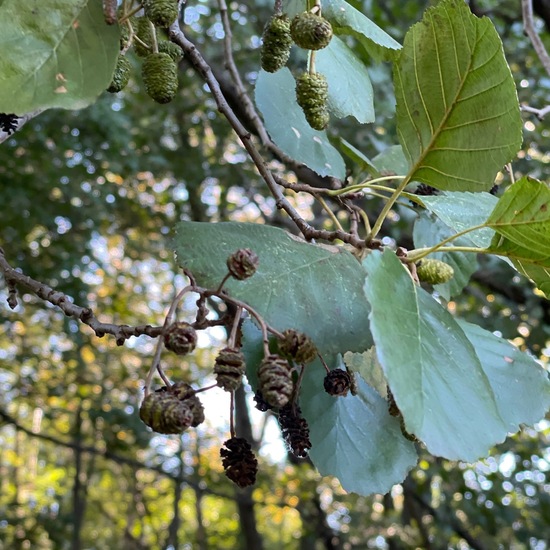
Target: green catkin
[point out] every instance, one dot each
(310, 31)
(160, 76)
(276, 43)
(312, 96)
(121, 75)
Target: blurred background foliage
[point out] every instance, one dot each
(89, 200)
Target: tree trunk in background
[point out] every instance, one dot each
(78, 499)
(245, 503)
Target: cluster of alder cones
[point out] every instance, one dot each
(175, 408)
(159, 69)
(310, 31)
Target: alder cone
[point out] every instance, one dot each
(239, 463)
(160, 76)
(243, 263)
(229, 369)
(310, 31)
(164, 413)
(275, 381)
(184, 392)
(434, 272)
(298, 345)
(121, 75)
(277, 43)
(173, 50)
(337, 382)
(312, 96)
(181, 338)
(162, 13)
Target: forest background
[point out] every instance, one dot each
(89, 201)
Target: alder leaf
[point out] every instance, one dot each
(458, 116)
(520, 385)
(461, 211)
(316, 289)
(60, 53)
(521, 220)
(431, 367)
(349, 86)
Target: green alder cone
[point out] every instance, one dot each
(121, 75)
(144, 32)
(160, 76)
(173, 50)
(434, 272)
(276, 43)
(125, 30)
(310, 31)
(162, 13)
(312, 96)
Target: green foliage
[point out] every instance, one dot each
(90, 196)
(457, 109)
(521, 220)
(59, 54)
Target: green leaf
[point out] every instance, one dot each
(392, 161)
(460, 211)
(346, 19)
(521, 220)
(285, 121)
(353, 438)
(520, 385)
(349, 86)
(316, 289)
(430, 365)
(428, 231)
(457, 109)
(60, 53)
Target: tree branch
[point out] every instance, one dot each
(65, 304)
(529, 26)
(539, 113)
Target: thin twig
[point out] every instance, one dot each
(529, 26)
(155, 365)
(230, 65)
(539, 113)
(70, 309)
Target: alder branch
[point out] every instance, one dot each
(539, 113)
(196, 59)
(529, 26)
(14, 277)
